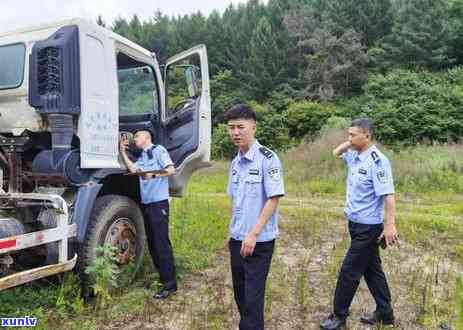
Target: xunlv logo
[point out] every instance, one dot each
(18, 321)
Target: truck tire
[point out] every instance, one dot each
(118, 221)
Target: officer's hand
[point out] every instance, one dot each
(123, 143)
(149, 176)
(390, 235)
(248, 245)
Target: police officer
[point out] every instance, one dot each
(255, 185)
(370, 191)
(154, 190)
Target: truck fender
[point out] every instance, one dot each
(83, 208)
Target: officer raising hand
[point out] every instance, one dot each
(369, 199)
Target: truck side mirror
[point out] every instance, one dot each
(192, 82)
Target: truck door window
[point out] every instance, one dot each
(184, 85)
(12, 65)
(137, 88)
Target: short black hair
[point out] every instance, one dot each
(145, 129)
(364, 123)
(241, 111)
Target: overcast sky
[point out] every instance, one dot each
(21, 13)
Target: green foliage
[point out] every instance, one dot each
(335, 123)
(103, 274)
(222, 146)
(272, 130)
(456, 30)
(285, 51)
(420, 36)
(306, 118)
(336, 65)
(371, 18)
(412, 107)
(267, 61)
(69, 298)
(225, 89)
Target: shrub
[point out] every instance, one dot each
(412, 107)
(306, 118)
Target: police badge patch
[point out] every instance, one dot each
(382, 176)
(275, 174)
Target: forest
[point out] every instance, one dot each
(305, 64)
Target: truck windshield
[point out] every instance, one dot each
(12, 65)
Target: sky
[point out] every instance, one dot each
(22, 13)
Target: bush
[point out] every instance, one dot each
(412, 107)
(335, 123)
(225, 91)
(272, 130)
(306, 118)
(222, 146)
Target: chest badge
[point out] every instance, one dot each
(254, 171)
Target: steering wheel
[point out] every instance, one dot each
(183, 104)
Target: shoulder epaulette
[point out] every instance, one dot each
(375, 156)
(266, 152)
(150, 151)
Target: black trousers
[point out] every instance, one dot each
(249, 276)
(362, 259)
(156, 217)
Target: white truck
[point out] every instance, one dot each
(68, 90)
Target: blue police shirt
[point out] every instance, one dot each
(369, 180)
(155, 189)
(254, 178)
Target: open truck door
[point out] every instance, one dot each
(186, 116)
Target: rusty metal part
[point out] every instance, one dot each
(15, 144)
(14, 176)
(36, 273)
(3, 159)
(122, 235)
(6, 260)
(45, 178)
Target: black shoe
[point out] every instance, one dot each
(164, 293)
(377, 318)
(333, 322)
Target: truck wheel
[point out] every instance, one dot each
(117, 221)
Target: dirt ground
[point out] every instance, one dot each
(313, 240)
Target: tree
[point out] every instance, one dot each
(371, 18)
(266, 67)
(335, 65)
(420, 36)
(456, 25)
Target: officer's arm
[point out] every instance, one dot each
(170, 170)
(128, 163)
(389, 210)
(341, 149)
(269, 207)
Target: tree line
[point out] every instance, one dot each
(304, 62)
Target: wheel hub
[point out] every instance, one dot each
(122, 235)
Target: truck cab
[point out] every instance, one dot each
(68, 91)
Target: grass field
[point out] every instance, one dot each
(423, 273)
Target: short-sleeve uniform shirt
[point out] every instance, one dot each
(155, 189)
(369, 180)
(254, 178)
